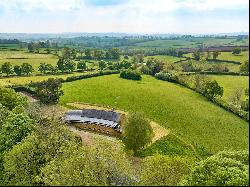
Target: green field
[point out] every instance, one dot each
(190, 43)
(27, 80)
(19, 57)
(230, 83)
(237, 58)
(188, 114)
(165, 58)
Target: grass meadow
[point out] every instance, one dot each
(19, 57)
(231, 83)
(186, 113)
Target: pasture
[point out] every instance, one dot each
(190, 42)
(231, 83)
(186, 113)
(19, 57)
(27, 80)
(231, 57)
(165, 58)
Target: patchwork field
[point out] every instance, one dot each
(19, 57)
(187, 114)
(190, 42)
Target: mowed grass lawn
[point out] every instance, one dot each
(186, 113)
(20, 57)
(231, 83)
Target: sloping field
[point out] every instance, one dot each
(187, 114)
(231, 83)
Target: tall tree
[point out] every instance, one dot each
(6, 68)
(137, 132)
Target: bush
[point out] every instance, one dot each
(222, 169)
(130, 74)
(212, 90)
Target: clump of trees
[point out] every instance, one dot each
(24, 69)
(153, 66)
(244, 67)
(49, 92)
(236, 51)
(228, 168)
(130, 74)
(137, 132)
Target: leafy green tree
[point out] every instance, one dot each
(14, 129)
(98, 54)
(154, 65)
(23, 163)
(31, 47)
(65, 65)
(27, 68)
(42, 68)
(18, 70)
(6, 68)
(212, 90)
(236, 51)
(49, 92)
(102, 164)
(216, 54)
(81, 65)
(162, 170)
(10, 99)
(197, 55)
(51, 69)
(244, 67)
(223, 169)
(137, 132)
(102, 64)
(115, 53)
(88, 53)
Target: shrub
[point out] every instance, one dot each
(222, 169)
(130, 74)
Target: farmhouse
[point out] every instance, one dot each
(108, 122)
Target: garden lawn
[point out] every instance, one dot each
(187, 114)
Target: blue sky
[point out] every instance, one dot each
(130, 16)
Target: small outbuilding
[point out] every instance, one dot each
(104, 121)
